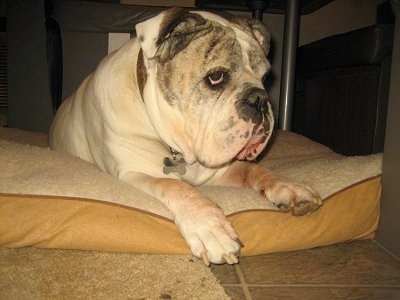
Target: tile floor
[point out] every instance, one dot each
(356, 270)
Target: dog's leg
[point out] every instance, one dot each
(202, 223)
(286, 195)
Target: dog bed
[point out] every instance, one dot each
(53, 200)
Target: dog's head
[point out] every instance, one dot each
(204, 85)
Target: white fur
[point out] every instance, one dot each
(107, 122)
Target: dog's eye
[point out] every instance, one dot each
(217, 78)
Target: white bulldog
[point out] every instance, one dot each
(183, 105)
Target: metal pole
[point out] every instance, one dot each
(257, 14)
(290, 42)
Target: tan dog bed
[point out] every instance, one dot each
(53, 200)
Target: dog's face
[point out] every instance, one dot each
(203, 88)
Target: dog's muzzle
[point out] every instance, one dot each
(254, 107)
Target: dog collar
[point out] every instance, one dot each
(174, 163)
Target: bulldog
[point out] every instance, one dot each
(183, 105)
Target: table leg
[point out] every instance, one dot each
(290, 43)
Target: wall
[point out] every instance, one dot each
(337, 17)
(29, 104)
(389, 228)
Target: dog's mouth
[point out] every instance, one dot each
(253, 148)
(258, 141)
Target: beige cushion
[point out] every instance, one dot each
(53, 200)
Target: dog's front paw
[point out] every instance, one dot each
(294, 197)
(209, 235)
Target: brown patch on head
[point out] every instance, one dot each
(178, 28)
(141, 74)
(172, 18)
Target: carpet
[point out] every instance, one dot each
(32, 273)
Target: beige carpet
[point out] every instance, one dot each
(31, 273)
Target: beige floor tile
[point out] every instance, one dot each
(361, 262)
(226, 274)
(318, 293)
(235, 292)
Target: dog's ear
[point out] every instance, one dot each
(169, 32)
(261, 34)
(256, 29)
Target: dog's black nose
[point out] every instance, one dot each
(257, 97)
(252, 104)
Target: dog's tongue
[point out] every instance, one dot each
(252, 149)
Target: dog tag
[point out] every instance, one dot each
(174, 165)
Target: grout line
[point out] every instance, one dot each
(386, 250)
(243, 283)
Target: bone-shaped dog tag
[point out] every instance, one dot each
(174, 165)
